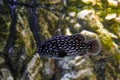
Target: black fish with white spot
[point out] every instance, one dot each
(64, 46)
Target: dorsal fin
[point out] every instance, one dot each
(79, 37)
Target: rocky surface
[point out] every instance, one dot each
(92, 18)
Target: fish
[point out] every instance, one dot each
(69, 46)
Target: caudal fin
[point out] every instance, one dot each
(94, 46)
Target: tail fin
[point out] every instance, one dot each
(94, 46)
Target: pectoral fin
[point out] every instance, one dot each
(62, 53)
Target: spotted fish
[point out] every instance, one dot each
(74, 45)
